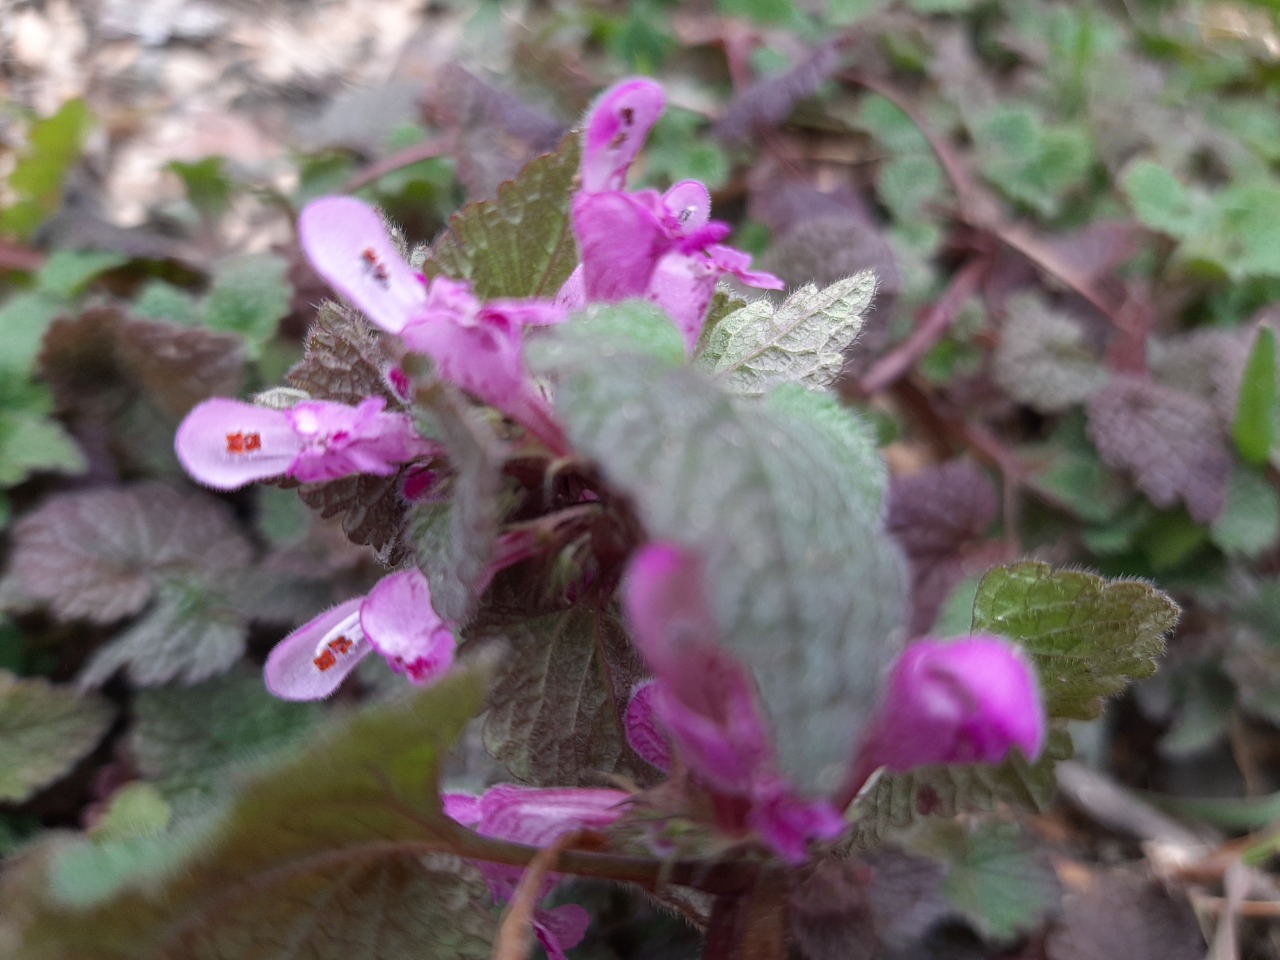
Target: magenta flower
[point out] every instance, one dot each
(970, 700)
(537, 817)
(662, 247)
(396, 620)
(707, 705)
(226, 444)
(476, 346)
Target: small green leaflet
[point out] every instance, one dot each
(1254, 426)
(44, 731)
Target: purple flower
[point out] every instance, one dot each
(476, 346)
(707, 705)
(226, 444)
(537, 817)
(662, 247)
(970, 700)
(396, 620)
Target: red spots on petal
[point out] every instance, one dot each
(341, 645)
(252, 442)
(374, 267)
(239, 443)
(325, 661)
(235, 442)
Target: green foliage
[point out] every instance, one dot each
(286, 865)
(31, 442)
(680, 148)
(1087, 636)
(185, 740)
(993, 878)
(633, 326)
(1161, 201)
(1034, 165)
(768, 493)
(53, 147)
(522, 244)
(44, 731)
(1254, 425)
(209, 186)
(250, 296)
(1250, 522)
(801, 340)
(1043, 359)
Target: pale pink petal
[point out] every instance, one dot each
(688, 203)
(683, 285)
(341, 440)
(524, 313)
(311, 662)
(573, 295)
(347, 243)
(962, 701)
(462, 807)
(738, 264)
(617, 125)
(226, 444)
(539, 815)
(788, 824)
(644, 733)
(398, 620)
(561, 929)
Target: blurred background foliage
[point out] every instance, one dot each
(1074, 213)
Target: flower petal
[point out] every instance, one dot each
(342, 440)
(400, 623)
(561, 929)
(617, 125)
(347, 243)
(311, 662)
(539, 815)
(621, 240)
(689, 204)
(572, 297)
(683, 285)
(644, 732)
(226, 444)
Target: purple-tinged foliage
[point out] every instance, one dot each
(226, 444)
(969, 700)
(537, 817)
(396, 620)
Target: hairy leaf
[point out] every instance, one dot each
(802, 340)
(1171, 441)
(30, 443)
(99, 554)
(555, 712)
(1042, 358)
(1254, 425)
(312, 836)
(994, 878)
(191, 632)
(373, 511)
(633, 326)
(522, 244)
(186, 739)
(1087, 636)
(44, 731)
(781, 500)
(453, 541)
(344, 358)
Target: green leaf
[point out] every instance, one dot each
(1087, 636)
(522, 244)
(208, 185)
(610, 330)
(250, 296)
(191, 632)
(44, 731)
(801, 340)
(321, 854)
(994, 878)
(135, 809)
(30, 443)
(1253, 428)
(23, 321)
(1160, 201)
(1250, 522)
(68, 272)
(453, 541)
(555, 711)
(53, 146)
(775, 498)
(1032, 164)
(163, 301)
(185, 740)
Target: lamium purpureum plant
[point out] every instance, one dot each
(630, 526)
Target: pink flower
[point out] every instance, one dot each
(662, 247)
(970, 700)
(396, 620)
(707, 705)
(226, 444)
(537, 817)
(476, 346)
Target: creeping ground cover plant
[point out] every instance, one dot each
(634, 536)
